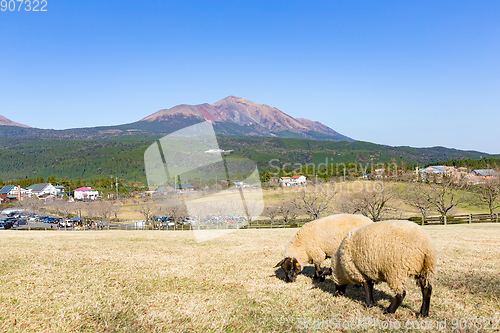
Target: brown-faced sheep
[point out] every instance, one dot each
(316, 241)
(388, 251)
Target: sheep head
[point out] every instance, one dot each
(291, 267)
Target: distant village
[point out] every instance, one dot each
(46, 191)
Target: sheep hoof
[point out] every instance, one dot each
(340, 290)
(389, 311)
(424, 314)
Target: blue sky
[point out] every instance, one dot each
(421, 73)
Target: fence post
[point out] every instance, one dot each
(470, 218)
(445, 220)
(497, 217)
(423, 220)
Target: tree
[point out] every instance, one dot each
(371, 203)
(288, 211)
(314, 200)
(62, 208)
(443, 196)
(115, 209)
(175, 211)
(414, 198)
(272, 211)
(266, 177)
(487, 194)
(146, 209)
(104, 211)
(33, 205)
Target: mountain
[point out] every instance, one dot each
(232, 117)
(7, 122)
(236, 116)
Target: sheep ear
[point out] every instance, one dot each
(280, 263)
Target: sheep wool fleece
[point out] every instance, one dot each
(321, 238)
(388, 251)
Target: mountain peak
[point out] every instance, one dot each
(233, 98)
(7, 122)
(253, 119)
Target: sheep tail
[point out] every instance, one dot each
(426, 276)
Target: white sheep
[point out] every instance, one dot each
(316, 241)
(388, 251)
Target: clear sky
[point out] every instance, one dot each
(417, 73)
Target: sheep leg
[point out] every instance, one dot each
(369, 293)
(340, 290)
(396, 302)
(426, 300)
(318, 274)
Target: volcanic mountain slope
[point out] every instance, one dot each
(232, 117)
(7, 122)
(235, 116)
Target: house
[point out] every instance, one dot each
(60, 189)
(42, 190)
(163, 190)
(298, 180)
(292, 181)
(181, 187)
(285, 181)
(485, 173)
(435, 169)
(85, 193)
(12, 192)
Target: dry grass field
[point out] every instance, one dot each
(163, 281)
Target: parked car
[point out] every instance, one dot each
(6, 225)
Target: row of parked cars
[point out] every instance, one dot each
(16, 219)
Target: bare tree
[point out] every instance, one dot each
(147, 210)
(175, 211)
(104, 211)
(272, 211)
(91, 210)
(412, 196)
(372, 203)
(288, 211)
(33, 205)
(443, 196)
(115, 209)
(487, 194)
(79, 208)
(62, 208)
(314, 200)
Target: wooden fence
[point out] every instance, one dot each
(277, 224)
(456, 219)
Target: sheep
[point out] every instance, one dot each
(316, 241)
(388, 251)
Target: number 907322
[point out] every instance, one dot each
(23, 5)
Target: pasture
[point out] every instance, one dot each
(163, 281)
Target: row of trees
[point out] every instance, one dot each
(382, 200)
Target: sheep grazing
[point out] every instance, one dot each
(316, 241)
(388, 251)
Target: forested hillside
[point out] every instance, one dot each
(123, 157)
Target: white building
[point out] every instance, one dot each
(298, 180)
(42, 190)
(285, 181)
(85, 193)
(292, 181)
